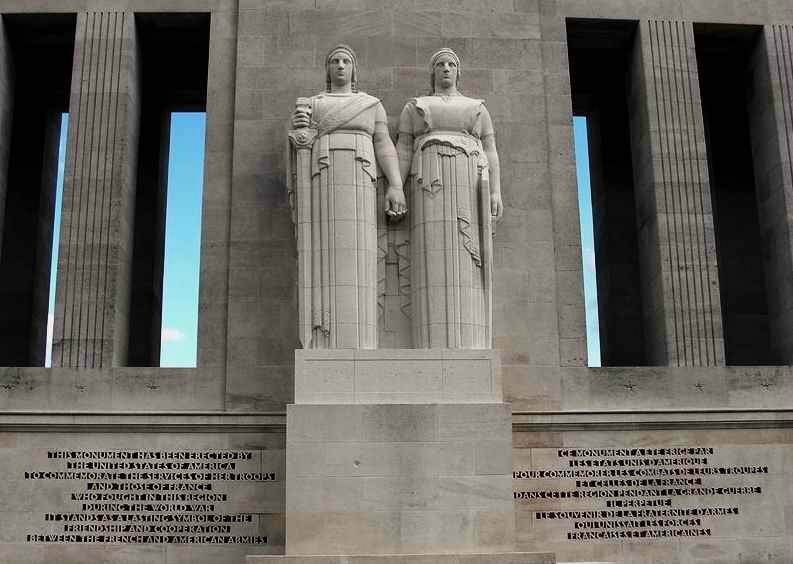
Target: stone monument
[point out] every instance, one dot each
(416, 425)
(397, 452)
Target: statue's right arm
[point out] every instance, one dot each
(404, 145)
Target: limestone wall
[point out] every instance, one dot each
(264, 54)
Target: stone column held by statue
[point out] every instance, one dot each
(299, 174)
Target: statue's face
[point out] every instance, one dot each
(340, 68)
(445, 72)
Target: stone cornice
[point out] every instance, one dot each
(648, 420)
(275, 422)
(143, 422)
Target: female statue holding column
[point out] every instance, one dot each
(339, 142)
(447, 157)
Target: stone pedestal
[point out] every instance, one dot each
(397, 376)
(382, 478)
(399, 456)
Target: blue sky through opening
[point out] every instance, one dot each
(182, 239)
(56, 236)
(587, 240)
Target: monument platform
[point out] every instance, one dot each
(403, 454)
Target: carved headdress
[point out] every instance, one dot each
(347, 50)
(434, 59)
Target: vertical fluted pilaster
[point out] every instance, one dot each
(92, 299)
(770, 108)
(6, 106)
(679, 271)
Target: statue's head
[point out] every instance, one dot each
(444, 69)
(341, 67)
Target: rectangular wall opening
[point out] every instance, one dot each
(589, 268)
(174, 58)
(600, 56)
(56, 237)
(726, 77)
(38, 50)
(179, 334)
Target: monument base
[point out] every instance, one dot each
(388, 479)
(399, 456)
(503, 558)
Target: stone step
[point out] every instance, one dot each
(492, 558)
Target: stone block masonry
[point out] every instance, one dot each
(409, 479)
(436, 473)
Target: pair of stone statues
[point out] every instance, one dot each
(446, 155)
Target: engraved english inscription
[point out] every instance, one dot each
(638, 493)
(150, 497)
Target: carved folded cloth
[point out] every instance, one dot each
(355, 140)
(426, 171)
(342, 128)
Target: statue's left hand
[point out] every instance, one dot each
(395, 207)
(496, 206)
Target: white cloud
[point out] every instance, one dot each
(171, 335)
(48, 350)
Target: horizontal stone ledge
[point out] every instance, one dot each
(648, 420)
(473, 558)
(142, 421)
(275, 422)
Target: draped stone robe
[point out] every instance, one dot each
(449, 214)
(337, 225)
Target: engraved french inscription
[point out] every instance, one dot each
(639, 493)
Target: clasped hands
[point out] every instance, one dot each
(395, 207)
